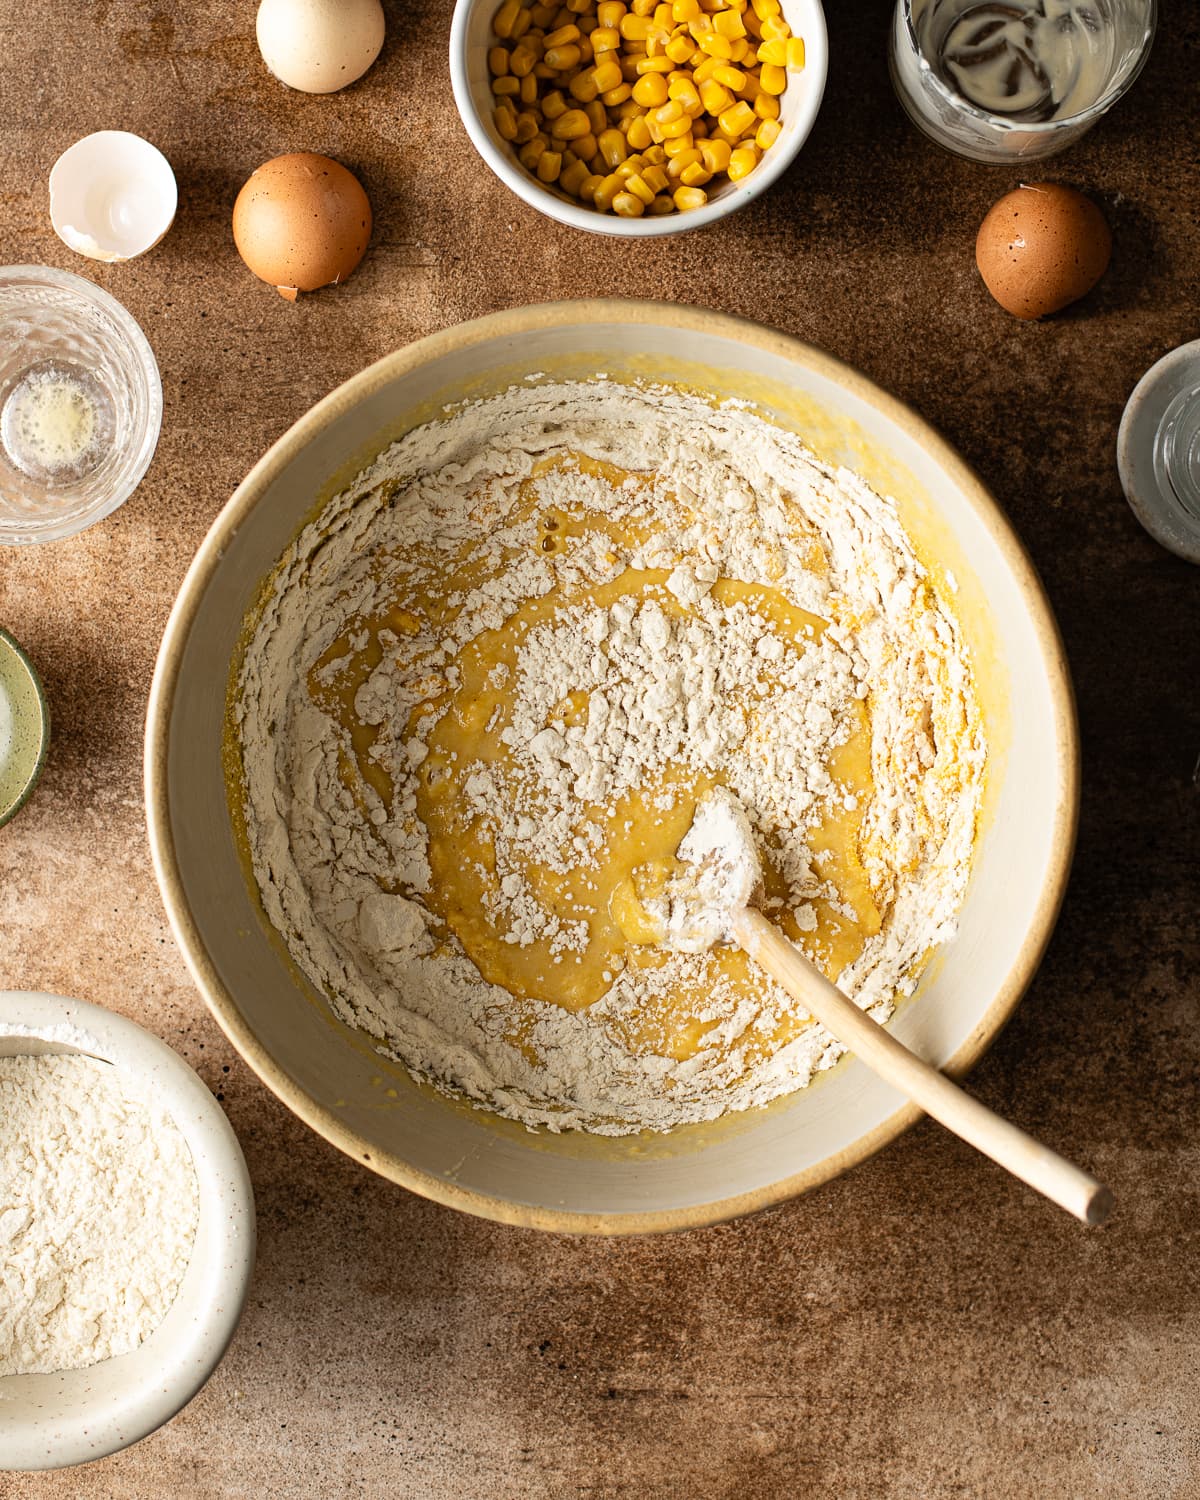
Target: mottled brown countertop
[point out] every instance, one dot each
(922, 1327)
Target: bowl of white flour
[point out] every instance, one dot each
(439, 695)
(126, 1232)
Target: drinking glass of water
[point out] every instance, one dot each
(1002, 80)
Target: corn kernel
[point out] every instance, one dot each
(680, 50)
(542, 15)
(640, 188)
(773, 52)
(678, 145)
(678, 165)
(766, 107)
(630, 167)
(656, 177)
(728, 23)
(587, 188)
(767, 134)
(524, 20)
(542, 71)
(795, 51)
(663, 18)
(772, 79)
(643, 8)
(733, 78)
(562, 58)
(716, 96)
(715, 155)
(654, 156)
(571, 125)
(677, 130)
(638, 134)
(741, 163)
(554, 105)
(715, 46)
(695, 174)
(612, 148)
(737, 119)
(506, 88)
(606, 75)
(629, 66)
(563, 35)
(498, 61)
(527, 127)
(613, 97)
(703, 71)
(610, 12)
(528, 155)
(628, 206)
(529, 89)
(739, 50)
(685, 91)
(504, 117)
(660, 65)
(764, 8)
(651, 90)
(662, 205)
(549, 165)
(571, 176)
(775, 28)
(583, 88)
(683, 11)
(505, 16)
(605, 39)
(634, 28)
(690, 197)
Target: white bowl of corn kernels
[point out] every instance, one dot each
(638, 117)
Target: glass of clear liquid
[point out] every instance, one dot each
(80, 404)
(1005, 80)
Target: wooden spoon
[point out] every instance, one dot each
(715, 902)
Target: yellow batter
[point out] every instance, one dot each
(639, 837)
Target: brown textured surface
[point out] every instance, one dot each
(920, 1328)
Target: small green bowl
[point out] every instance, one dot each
(24, 728)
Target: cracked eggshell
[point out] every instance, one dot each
(301, 222)
(319, 46)
(112, 196)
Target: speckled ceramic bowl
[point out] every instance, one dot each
(72, 1416)
(332, 1076)
(24, 728)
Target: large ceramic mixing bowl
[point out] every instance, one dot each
(330, 1075)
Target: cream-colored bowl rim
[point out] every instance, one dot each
(515, 323)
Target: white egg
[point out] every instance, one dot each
(319, 46)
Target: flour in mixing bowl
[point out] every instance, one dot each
(489, 687)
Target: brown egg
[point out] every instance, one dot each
(1042, 247)
(301, 222)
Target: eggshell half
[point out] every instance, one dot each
(1042, 247)
(301, 222)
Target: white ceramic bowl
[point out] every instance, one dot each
(72, 1416)
(330, 1075)
(470, 38)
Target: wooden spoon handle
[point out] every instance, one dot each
(1019, 1153)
